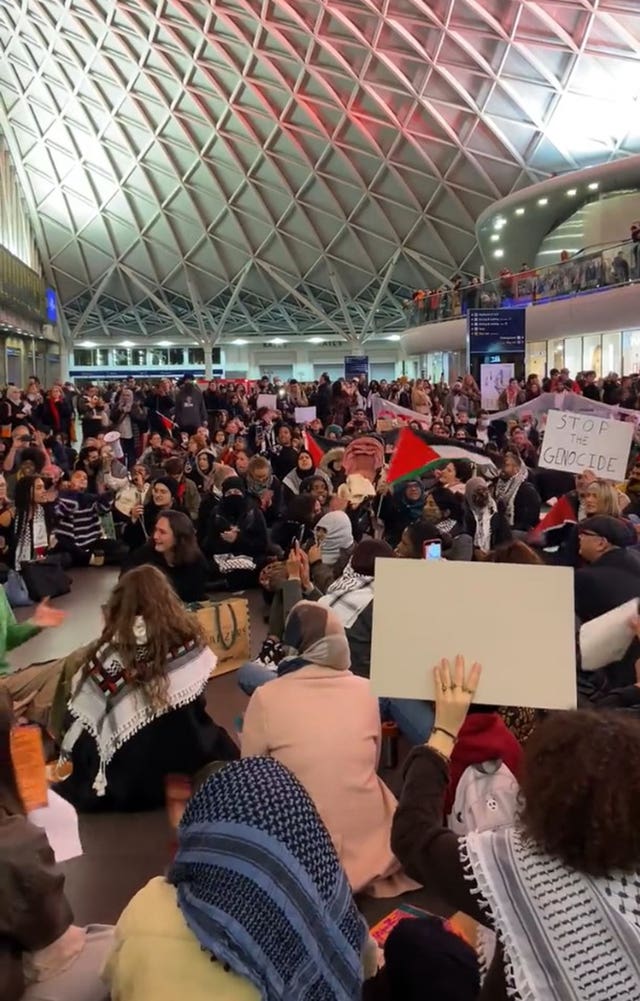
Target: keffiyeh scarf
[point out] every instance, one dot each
(260, 886)
(349, 595)
(566, 936)
(506, 490)
(105, 705)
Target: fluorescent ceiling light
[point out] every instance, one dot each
(498, 253)
(571, 192)
(316, 340)
(239, 341)
(593, 186)
(165, 344)
(393, 337)
(86, 344)
(126, 344)
(495, 237)
(277, 340)
(543, 201)
(520, 211)
(499, 223)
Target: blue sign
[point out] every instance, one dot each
(496, 331)
(51, 305)
(356, 365)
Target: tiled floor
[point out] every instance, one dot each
(123, 851)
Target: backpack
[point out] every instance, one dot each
(486, 798)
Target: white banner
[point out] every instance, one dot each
(575, 442)
(384, 408)
(562, 401)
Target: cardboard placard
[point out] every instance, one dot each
(575, 442)
(29, 767)
(426, 610)
(269, 400)
(226, 624)
(304, 415)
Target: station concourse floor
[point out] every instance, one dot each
(123, 851)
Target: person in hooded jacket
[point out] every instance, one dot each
(283, 456)
(201, 470)
(264, 488)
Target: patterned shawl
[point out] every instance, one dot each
(260, 886)
(566, 936)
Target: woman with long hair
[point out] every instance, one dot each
(173, 549)
(42, 953)
(556, 886)
(162, 497)
(33, 521)
(137, 706)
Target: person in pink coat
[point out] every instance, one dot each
(323, 723)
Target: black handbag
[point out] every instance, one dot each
(45, 578)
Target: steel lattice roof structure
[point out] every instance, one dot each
(225, 168)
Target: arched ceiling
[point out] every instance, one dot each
(252, 167)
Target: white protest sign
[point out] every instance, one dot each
(269, 400)
(304, 415)
(575, 442)
(493, 380)
(425, 610)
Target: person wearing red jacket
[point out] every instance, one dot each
(484, 736)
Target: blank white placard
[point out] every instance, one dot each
(517, 621)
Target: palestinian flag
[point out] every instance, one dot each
(416, 452)
(166, 422)
(318, 446)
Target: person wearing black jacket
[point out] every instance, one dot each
(323, 398)
(238, 529)
(173, 549)
(521, 499)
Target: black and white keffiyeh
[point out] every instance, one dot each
(349, 595)
(566, 936)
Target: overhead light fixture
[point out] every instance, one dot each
(393, 337)
(593, 186)
(498, 253)
(165, 344)
(571, 192)
(495, 237)
(499, 223)
(239, 342)
(520, 211)
(87, 344)
(316, 340)
(543, 201)
(126, 344)
(277, 340)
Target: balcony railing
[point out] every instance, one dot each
(591, 270)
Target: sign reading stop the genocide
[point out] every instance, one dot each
(575, 442)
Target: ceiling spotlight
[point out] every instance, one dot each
(498, 253)
(543, 201)
(393, 337)
(126, 344)
(499, 223)
(593, 186)
(165, 344)
(239, 341)
(520, 211)
(87, 344)
(495, 237)
(277, 340)
(571, 192)
(316, 340)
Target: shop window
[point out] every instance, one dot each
(592, 354)
(611, 353)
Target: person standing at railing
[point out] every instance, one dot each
(635, 237)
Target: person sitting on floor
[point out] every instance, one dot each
(187, 493)
(137, 706)
(173, 549)
(256, 884)
(236, 538)
(333, 549)
(143, 515)
(323, 723)
(559, 880)
(43, 955)
(77, 525)
(34, 519)
(264, 488)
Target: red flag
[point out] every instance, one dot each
(312, 448)
(167, 424)
(410, 457)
